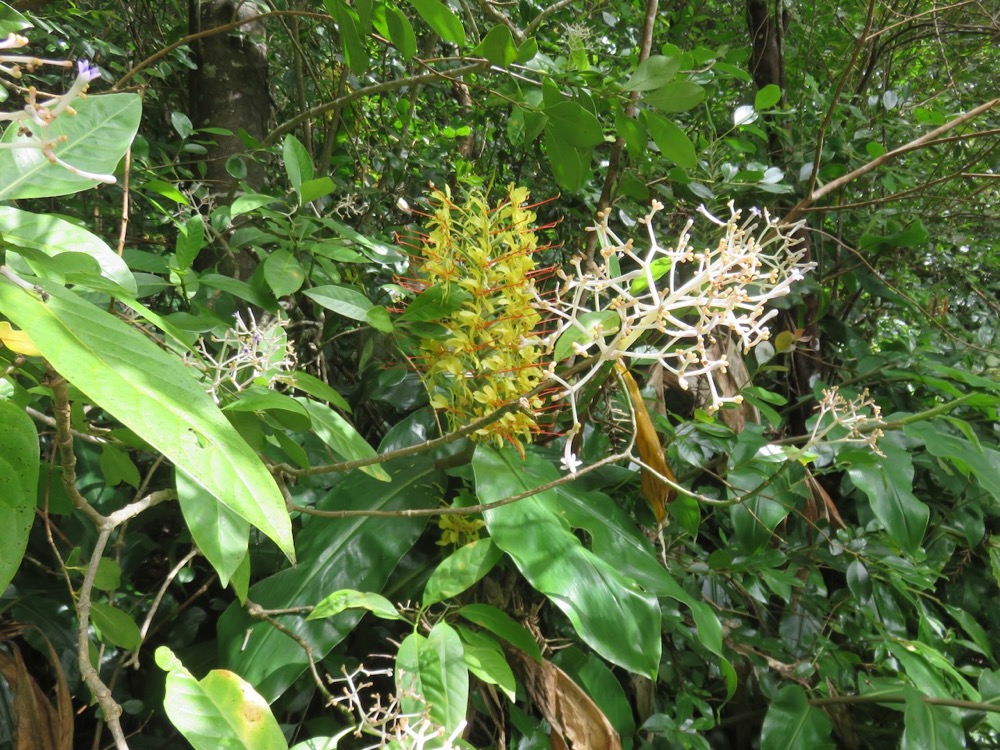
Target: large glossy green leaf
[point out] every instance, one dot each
(334, 554)
(767, 501)
(18, 486)
(930, 727)
(889, 487)
(152, 393)
(220, 712)
(11, 21)
(97, 137)
(351, 304)
(609, 610)
(297, 161)
(52, 236)
(440, 18)
(792, 724)
(616, 539)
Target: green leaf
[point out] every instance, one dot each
(108, 576)
(439, 17)
(314, 189)
(342, 438)
(167, 189)
(767, 97)
(432, 672)
(19, 464)
(252, 294)
(342, 300)
(401, 32)
(592, 324)
(594, 676)
(220, 711)
(53, 236)
(460, 570)
(928, 727)
(575, 125)
(653, 73)
(358, 553)
(351, 35)
(889, 487)
(497, 46)
(345, 599)
(435, 303)
(97, 137)
(767, 501)
(154, 394)
(250, 202)
(792, 724)
(485, 659)
(316, 388)
(222, 536)
(569, 165)
(969, 458)
(679, 96)
(115, 626)
(117, 467)
(671, 140)
(503, 625)
(190, 241)
(633, 132)
(608, 610)
(298, 163)
(283, 273)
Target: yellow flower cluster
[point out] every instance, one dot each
(490, 355)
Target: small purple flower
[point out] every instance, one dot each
(87, 71)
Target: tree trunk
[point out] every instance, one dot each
(230, 87)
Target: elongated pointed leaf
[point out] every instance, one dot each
(671, 140)
(97, 137)
(334, 554)
(153, 394)
(18, 486)
(52, 236)
(791, 723)
(608, 610)
(220, 711)
(440, 18)
(220, 533)
(930, 727)
(889, 487)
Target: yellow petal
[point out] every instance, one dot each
(18, 341)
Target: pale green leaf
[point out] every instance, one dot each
(155, 395)
(19, 463)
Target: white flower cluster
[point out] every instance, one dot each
(41, 110)
(860, 416)
(677, 299)
(248, 354)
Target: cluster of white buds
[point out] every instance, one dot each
(248, 354)
(386, 722)
(669, 305)
(40, 110)
(855, 421)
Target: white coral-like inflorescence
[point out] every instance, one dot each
(683, 297)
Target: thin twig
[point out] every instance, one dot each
(181, 564)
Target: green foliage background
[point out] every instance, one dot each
(202, 527)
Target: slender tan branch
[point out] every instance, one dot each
(378, 88)
(918, 143)
(193, 553)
